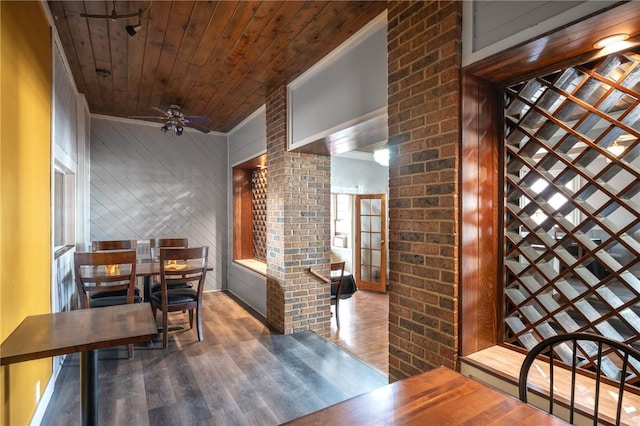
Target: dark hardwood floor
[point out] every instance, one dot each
(240, 374)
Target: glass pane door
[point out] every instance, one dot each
(371, 257)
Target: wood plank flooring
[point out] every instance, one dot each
(364, 328)
(240, 374)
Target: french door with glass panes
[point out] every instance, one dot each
(371, 246)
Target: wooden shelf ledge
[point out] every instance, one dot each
(499, 367)
(254, 265)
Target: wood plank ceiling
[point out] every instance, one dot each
(217, 59)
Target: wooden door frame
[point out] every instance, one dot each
(357, 243)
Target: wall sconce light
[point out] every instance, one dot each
(381, 156)
(610, 40)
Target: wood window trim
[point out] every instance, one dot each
(480, 292)
(569, 221)
(480, 252)
(242, 209)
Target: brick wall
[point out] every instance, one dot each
(424, 50)
(298, 229)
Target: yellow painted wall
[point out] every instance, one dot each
(25, 182)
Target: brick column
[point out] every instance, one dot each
(424, 47)
(298, 229)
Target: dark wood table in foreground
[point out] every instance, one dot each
(85, 331)
(439, 397)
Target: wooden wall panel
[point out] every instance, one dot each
(148, 184)
(480, 233)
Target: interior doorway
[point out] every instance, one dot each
(359, 187)
(370, 242)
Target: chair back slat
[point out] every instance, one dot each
(337, 275)
(156, 243)
(551, 378)
(574, 359)
(623, 378)
(335, 278)
(107, 271)
(105, 245)
(598, 379)
(183, 265)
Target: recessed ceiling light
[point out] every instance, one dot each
(608, 41)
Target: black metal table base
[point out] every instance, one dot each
(89, 387)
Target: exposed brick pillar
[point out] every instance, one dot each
(424, 47)
(298, 229)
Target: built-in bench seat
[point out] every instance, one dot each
(499, 367)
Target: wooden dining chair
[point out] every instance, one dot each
(108, 245)
(155, 244)
(113, 245)
(181, 265)
(337, 274)
(601, 359)
(111, 274)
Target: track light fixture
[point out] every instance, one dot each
(131, 29)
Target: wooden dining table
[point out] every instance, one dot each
(438, 397)
(84, 331)
(146, 268)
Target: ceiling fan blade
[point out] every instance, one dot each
(161, 111)
(148, 117)
(197, 118)
(195, 126)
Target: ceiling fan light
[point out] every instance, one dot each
(165, 128)
(179, 130)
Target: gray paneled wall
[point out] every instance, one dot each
(491, 26)
(147, 184)
(348, 84)
(497, 20)
(248, 140)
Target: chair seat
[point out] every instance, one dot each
(175, 296)
(102, 294)
(156, 287)
(112, 301)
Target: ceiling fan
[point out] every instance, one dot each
(175, 119)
